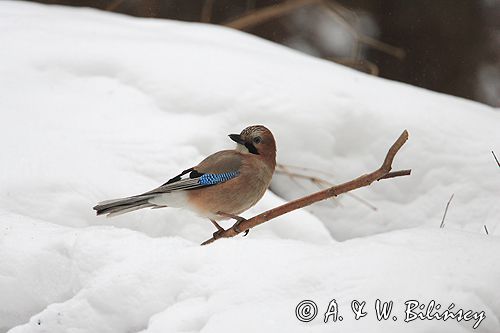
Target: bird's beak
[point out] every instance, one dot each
(237, 138)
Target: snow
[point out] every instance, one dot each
(97, 106)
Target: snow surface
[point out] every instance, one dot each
(96, 106)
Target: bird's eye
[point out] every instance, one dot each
(257, 140)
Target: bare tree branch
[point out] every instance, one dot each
(206, 12)
(114, 5)
(337, 11)
(361, 64)
(333, 9)
(262, 15)
(250, 5)
(361, 181)
(399, 173)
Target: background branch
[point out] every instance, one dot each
(262, 15)
(362, 181)
(335, 10)
(114, 5)
(359, 64)
(206, 11)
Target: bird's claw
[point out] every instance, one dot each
(236, 226)
(218, 233)
(238, 219)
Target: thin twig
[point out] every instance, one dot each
(496, 159)
(361, 64)
(288, 166)
(114, 5)
(376, 44)
(250, 5)
(262, 15)
(446, 211)
(292, 175)
(299, 175)
(399, 173)
(486, 229)
(361, 181)
(321, 183)
(206, 11)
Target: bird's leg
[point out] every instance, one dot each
(238, 219)
(219, 228)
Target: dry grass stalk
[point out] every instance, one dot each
(319, 182)
(446, 211)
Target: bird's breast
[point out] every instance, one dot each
(233, 196)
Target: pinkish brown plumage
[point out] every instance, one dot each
(222, 186)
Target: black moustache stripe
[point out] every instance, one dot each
(251, 148)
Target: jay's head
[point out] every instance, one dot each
(256, 140)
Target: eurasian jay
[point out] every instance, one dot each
(222, 186)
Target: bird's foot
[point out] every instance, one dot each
(217, 234)
(219, 231)
(238, 219)
(237, 228)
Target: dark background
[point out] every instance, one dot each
(450, 46)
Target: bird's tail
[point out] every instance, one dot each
(124, 205)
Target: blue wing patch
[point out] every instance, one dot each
(216, 178)
(195, 180)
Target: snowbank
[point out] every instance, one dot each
(97, 106)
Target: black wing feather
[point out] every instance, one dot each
(179, 176)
